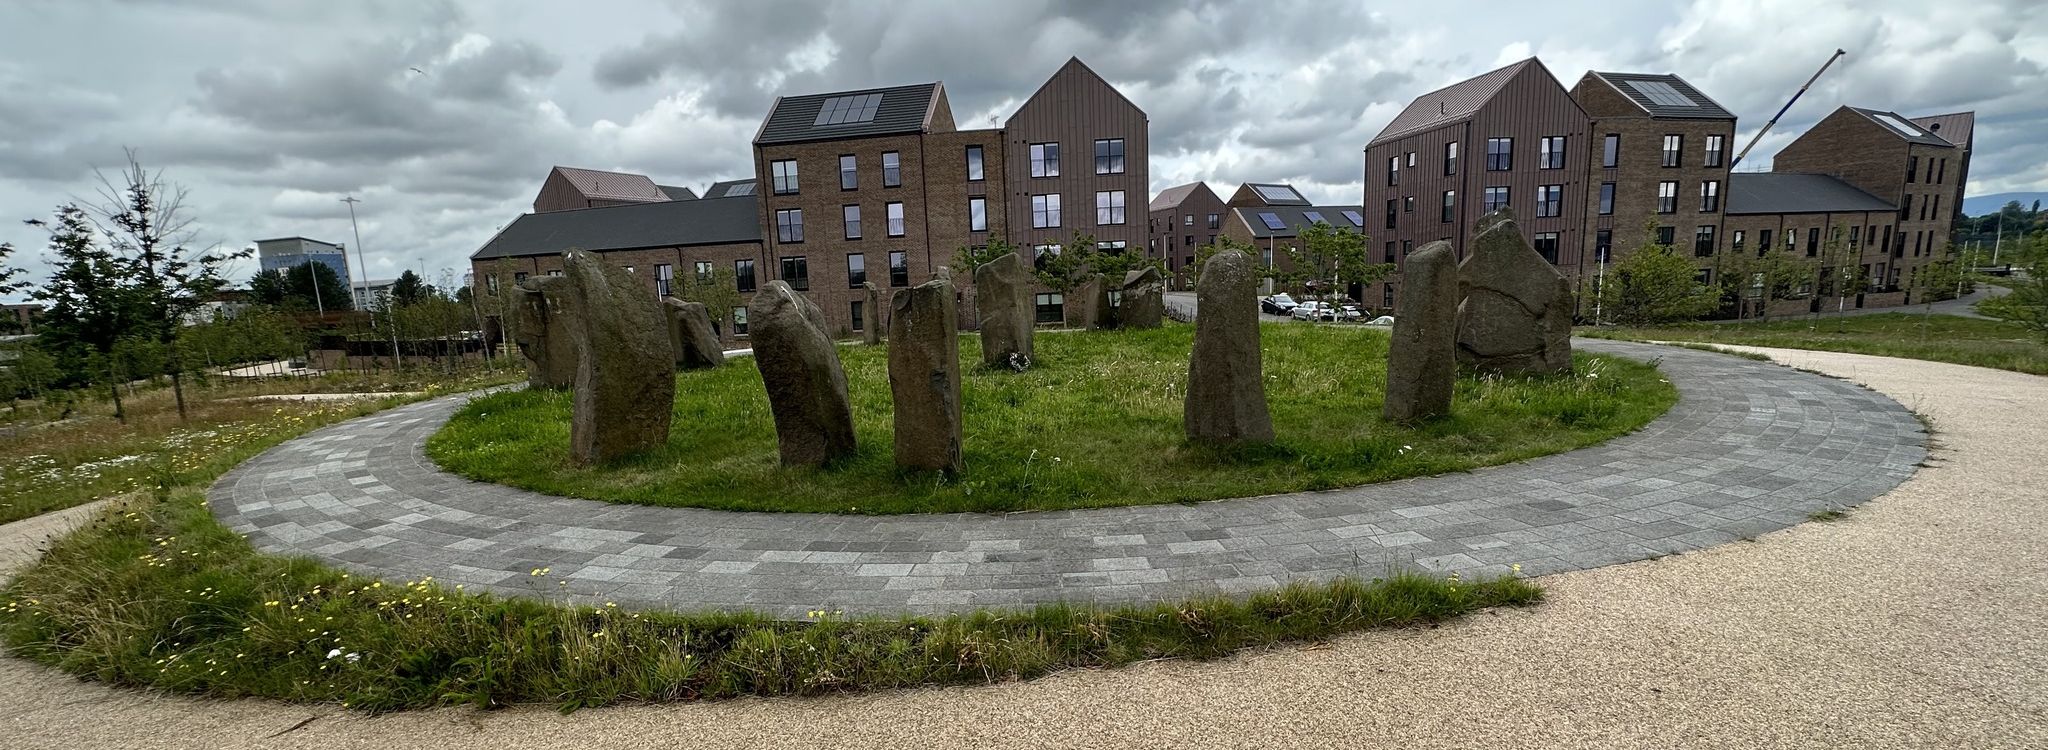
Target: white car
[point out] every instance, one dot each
(1383, 320)
(1350, 313)
(1312, 311)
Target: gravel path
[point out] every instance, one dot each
(1914, 622)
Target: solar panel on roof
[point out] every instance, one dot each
(1277, 192)
(1356, 220)
(842, 110)
(1313, 217)
(1659, 92)
(1272, 220)
(744, 188)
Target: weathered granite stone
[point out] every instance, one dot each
(537, 322)
(1002, 300)
(871, 329)
(924, 376)
(1088, 305)
(1496, 216)
(1422, 358)
(625, 368)
(1516, 315)
(800, 369)
(1142, 301)
(1226, 396)
(690, 334)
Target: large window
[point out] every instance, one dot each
(1710, 196)
(1549, 200)
(1451, 158)
(1050, 307)
(1940, 176)
(743, 274)
(796, 270)
(899, 268)
(855, 314)
(1603, 245)
(1495, 197)
(1674, 146)
(1763, 242)
(1735, 242)
(1546, 246)
(1450, 208)
(1045, 211)
(894, 212)
(892, 169)
(1703, 241)
(849, 173)
(739, 321)
(784, 172)
(1607, 199)
(1500, 154)
(1393, 215)
(1109, 156)
(789, 225)
(856, 270)
(664, 279)
(1390, 251)
(1215, 221)
(1812, 242)
(1610, 151)
(977, 214)
(1393, 170)
(1550, 152)
(974, 172)
(851, 215)
(1912, 169)
(1045, 160)
(1667, 236)
(1109, 207)
(1667, 197)
(1905, 207)
(703, 272)
(1715, 144)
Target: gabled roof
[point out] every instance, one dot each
(1274, 193)
(678, 192)
(730, 188)
(1954, 127)
(1293, 218)
(1453, 103)
(1665, 95)
(1794, 193)
(1078, 68)
(615, 186)
(890, 111)
(710, 221)
(1898, 125)
(1178, 194)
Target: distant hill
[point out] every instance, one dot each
(1979, 205)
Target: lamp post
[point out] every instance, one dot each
(352, 295)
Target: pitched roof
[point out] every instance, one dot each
(1292, 218)
(730, 188)
(617, 186)
(678, 192)
(854, 114)
(1453, 103)
(1898, 125)
(1665, 95)
(1172, 196)
(1794, 193)
(710, 221)
(1273, 193)
(1954, 127)
(1081, 69)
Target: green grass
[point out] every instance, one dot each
(1096, 422)
(1940, 338)
(157, 594)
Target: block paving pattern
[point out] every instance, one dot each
(1751, 447)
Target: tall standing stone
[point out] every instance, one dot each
(1226, 397)
(690, 334)
(871, 328)
(800, 369)
(625, 368)
(1422, 358)
(924, 376)
(1142, 301)
(1002, 301)
(538, 329)
(1517, 315)
(1085, 302)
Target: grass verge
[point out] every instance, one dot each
(1939, 338)
(1095, 423)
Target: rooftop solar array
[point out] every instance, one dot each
(1356, 219)
(1313, 217)
(1660, 92)
(1272, 221)
(744, 188)
(1277, 192)
(841, 110)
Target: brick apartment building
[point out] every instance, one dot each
(874, 185)
(1270, 216)
(1183, 218)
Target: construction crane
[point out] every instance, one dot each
(1788, 105)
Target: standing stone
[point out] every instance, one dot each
(1088, 305)
(1422, 358)
(924, 376)
(1002, 300)
(625, 368)
(1226, 399)
(1517, 315)
(537, 327)
(871, 329)
(800, 368)
(690, 334)
(1143, 303)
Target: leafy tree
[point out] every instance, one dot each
(307, 286)
(29, 375)
(1762, 279)
(411, 290)
(1838, 274)
(1655, 285)
(2027, 302)
(1337, 256)
(717, 291)
(1061, 268)
(969, 257)
(88, 308)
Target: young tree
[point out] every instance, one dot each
(1061, 268)
(718, 291)
(1334, 256)
(1654, 285)
(1838, 274)
(411, 290)
(969, 257)
(88, 308)
(1745, 281)
(2027, 302)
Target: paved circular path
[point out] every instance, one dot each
(1751, 447)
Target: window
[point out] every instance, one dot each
(1045, 211)
(1714, 146)
(1451, 158)
(974, 173)
(1549, 200)
(664, 278)
(1272, 220)
(1112, 247)
(739, 321)
(1610, 151)
(1912, 169)
(1546, 246)
(1109, 207)
(784, 173)
(517, 278)
(1607, 199)
(1667, 197)
(1710, 196)
(1763, 242)
(1792, 239)
(1812, 241)
(855, 313)
(1603, 245)
(1407, 248)
(796, 270)
(1266, 256)
(1735, 243)
(1703, 241)
(851, 215)
(1215, 221)
(1407, 204)
(1050, 307)
(1666, 236)
(977, 214)
(1411, 159)
(1494, 197)
(1704, 276)
(1905, 207)
(856, 270)
(1393, 212)
(849, 175)
(1674, 145)
(1393, 170)
(743, 274)
(703, 272)
(1045, 160)
(892, 169)
(899, 268)
(1390, 251)
(1450, 207)
(1940, 176)
(1500, 154)
(1550, 152)
(1936, 213)
(1387, 296)
(1109, 156)
(789, 225)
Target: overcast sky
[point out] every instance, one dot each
(271, 112)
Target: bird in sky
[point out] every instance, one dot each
(417, 70)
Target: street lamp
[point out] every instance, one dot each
(352, 295)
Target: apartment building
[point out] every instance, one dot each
(1902, 163)
(1183, 218)
(1662, 160)
(571, 188)
(1270, 217)
(1811, 216)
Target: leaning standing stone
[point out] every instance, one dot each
(800, 368)
(537, 326)
(689, 332)
(1143, 299)
(1517, 315)
(1422, 358)
(924, 376)
(1226, 398)
(871, 329)
(625, 373)
(1002, 299)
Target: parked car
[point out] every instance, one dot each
(1278, 304)
(1313, 311)
(1349, 313)
(1383, 320)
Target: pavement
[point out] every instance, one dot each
(1913, 622)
